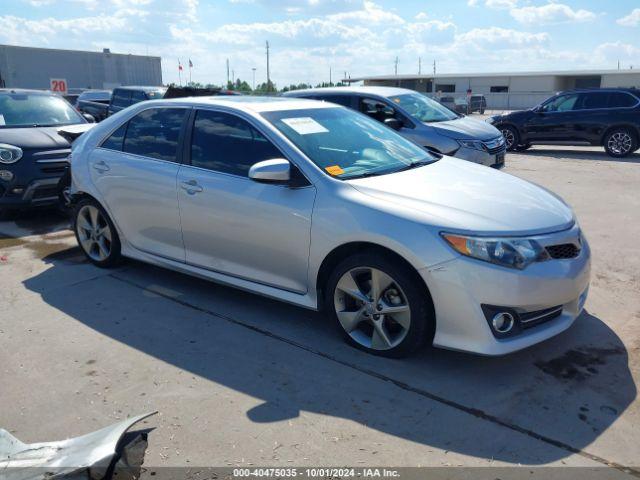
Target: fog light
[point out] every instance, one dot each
(503, 322)
(17, 191)
(6, 175)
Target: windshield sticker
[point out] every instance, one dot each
(304, 125)
(2, 124)
(334, 170)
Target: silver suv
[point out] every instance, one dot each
(421, 120)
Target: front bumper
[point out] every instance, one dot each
(495, 160)
(459, 287)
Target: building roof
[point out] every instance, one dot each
(107, 52)
(381, 91)
(558, 73)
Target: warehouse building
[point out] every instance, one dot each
(514, 90)
(27, 67)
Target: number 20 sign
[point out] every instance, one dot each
(58, 85)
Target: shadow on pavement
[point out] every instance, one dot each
(591, 155)
(567, 390)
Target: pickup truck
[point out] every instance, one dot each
(123, 97)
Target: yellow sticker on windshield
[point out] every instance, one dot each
(334, 170)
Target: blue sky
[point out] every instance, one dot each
(361, 37)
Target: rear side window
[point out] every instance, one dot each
(344, 100)
(622, 100)
(154, 133)
(114, 142)
(121, 98)
(225, 143)
(138, 97)
(595, 100)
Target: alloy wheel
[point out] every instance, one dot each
(94, 233)
(620, 143)
(372, 308)
(509, 138)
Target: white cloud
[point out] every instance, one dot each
(551, 13)
(631, 20)
(421, 16)
(501, 4)
(472, 3)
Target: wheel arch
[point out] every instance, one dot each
(343, 251)
(634, 129)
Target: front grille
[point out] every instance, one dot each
(531, 319)
(564, 251)
(52, 161)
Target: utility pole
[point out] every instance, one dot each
(227, 74)
(395, 68)
(268, 73)
(434, 77)
(329, 76)
(254, 77)
(233, 77)
(419, 65)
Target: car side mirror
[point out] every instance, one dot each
(393, 123)
(89, 118)
(277, 170)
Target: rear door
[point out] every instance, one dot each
(591, 118)
(135, 171)
(232, 224)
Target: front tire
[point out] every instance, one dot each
(620, 142)
(522, 148)
(380, 306)
(96, 234)
(511, 137)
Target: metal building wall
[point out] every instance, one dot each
(26, 67)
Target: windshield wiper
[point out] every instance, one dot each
(420, 163)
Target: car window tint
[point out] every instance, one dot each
(121, 98)
(562, 103)
(622, 100)
(114, 142)
(595, 100)
(154, 133)
(138, 97)
(226, 143)
(376, 109)
(344, 100)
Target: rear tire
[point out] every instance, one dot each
(511, 137)
(620, 142)
(97, 236)
(379, 305)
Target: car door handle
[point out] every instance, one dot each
(101, 166)
(191, 187)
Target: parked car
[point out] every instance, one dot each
(606, 117)
(477, 103)
(33, 156)
(420, 119)
(94, 103)
(123, 97)
(457, 104)
(323, 207)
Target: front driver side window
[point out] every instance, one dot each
(225, 143)
(563, 103)
(376, 109)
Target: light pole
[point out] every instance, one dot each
(254, 77)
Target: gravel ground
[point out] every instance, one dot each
(242, 380)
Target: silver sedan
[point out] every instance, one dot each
(325, 208)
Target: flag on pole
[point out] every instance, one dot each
(179, 66)
(190, 64)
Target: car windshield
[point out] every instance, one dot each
(346, 144)
(423, 109)
(35, 110)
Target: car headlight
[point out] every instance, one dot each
(474, 144)
(505, 251)
(9, 153)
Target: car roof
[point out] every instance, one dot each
(26, 90)
(143, 88)
(249, 103)
(380, 91)
(633, 90)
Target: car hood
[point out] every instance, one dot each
(465, 128)
(38, 137)
(466, 197)
(517, 116)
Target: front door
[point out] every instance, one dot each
(554, 120)
(135, 171)
(232, 224)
